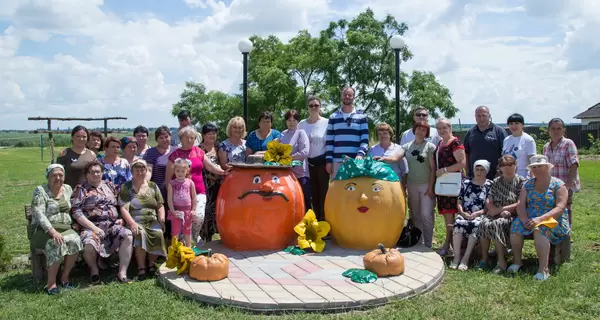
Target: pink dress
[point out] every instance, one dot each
(182, 201)
(196, 156)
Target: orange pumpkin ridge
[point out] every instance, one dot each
(213, 267)
(257, 208)
(384, 262)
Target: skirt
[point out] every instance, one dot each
(55, 253)
(496, 229)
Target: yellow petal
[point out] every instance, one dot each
(318, 245)
(310, 215)
(323, 228)
(286, 149)
(303, 243)
(300, 228)
(269, 156)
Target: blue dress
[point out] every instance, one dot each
(539, 204)
(118, 173)
(257, 144)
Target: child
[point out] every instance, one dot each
(181, 196)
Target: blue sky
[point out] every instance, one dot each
(131, 58)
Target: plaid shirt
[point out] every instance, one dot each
(563, 156)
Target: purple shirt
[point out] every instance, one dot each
(159, 166)
(300, 147)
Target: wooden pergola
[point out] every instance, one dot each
(50, 131)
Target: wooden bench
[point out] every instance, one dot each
(36, 256)
(560, 252)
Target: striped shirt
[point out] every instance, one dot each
(347, 135)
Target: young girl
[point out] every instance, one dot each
(180, 192)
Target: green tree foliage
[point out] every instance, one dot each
(357, 53)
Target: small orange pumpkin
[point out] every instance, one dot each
(258, 207)
(384, 262)
(212, 267)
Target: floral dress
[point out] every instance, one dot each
(539, 204)
(118, 173)
(213, 184)
(445, 158)
(235, 153)
(99, 206)
(53, 213)
(472, 197)
(143, 208)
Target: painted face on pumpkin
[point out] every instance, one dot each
(267, 189)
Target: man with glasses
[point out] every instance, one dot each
(184, 120)
(484, 142)
(420, 114)
(347, 134)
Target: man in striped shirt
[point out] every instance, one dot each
(347, 134)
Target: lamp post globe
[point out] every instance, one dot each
(245, 46)
(397, 42)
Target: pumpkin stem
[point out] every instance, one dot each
(381, 247)
(209, 253)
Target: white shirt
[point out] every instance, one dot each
(316, 133)
(409, 136)
(400, 167)
(520, 148)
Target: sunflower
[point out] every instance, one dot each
(310, 231)
(179, 256)
(279, 153)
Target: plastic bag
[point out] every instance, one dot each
(360, 275)
(198, 251)
(294, 250)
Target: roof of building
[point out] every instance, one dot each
(591, 112)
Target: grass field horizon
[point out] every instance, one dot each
(571, 293)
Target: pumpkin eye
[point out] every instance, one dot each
(377, 187)
(275, 179)
(256, 180)
(350, 187)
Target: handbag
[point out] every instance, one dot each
(410, 235)
(448, 184)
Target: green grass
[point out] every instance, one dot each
(572, 292)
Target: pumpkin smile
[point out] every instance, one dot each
(264, 194)
(363, 209)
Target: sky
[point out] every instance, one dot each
(131, 58)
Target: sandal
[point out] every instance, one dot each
(152, 270)
(67, 285)
(541, 276)
(482, 265)
(124, 280)
(95, 279)
(53, 291)
(453, 265)
(463, 267)
(498, 270)
(514, 268)
(142, 274)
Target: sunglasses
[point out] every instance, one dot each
(421, 115)
(313, 106)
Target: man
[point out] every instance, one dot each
(484, 142)
(420, 114)
(347, 134)
(184, 120)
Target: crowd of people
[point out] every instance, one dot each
(107, 196)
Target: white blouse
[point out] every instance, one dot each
(316, 135)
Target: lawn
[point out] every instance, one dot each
(573, 291)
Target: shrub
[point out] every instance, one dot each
(5, 258)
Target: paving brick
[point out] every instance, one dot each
(313, 282)
(345, 264)
(308, 266)
(261, 281)
(238, 281)
(248, 287)
(290, 281)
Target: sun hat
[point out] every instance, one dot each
(484, 163)
(538, 160)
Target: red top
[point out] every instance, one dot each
(196, 156)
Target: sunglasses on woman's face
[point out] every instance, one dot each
(313, 106)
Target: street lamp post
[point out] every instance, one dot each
(245, 46)
(397, 43)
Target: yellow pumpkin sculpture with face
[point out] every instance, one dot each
(365, 205)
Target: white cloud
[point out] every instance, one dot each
(134, 64)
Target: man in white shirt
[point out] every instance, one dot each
(420, 114)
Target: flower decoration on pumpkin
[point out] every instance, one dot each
(366, 167)
(179, 256)
(310, 232)
(279, 153)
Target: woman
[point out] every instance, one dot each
(116, 169)
(95, 143)
(315, 127)
(471, 204)
(50, 228)
(75, 158)
(259, 138)
(142, 209)
(187, 136)
(542, 198)
(233, 149)
(386, 147)
(140, 133)
(129, 148)
(500, 208)
(519, 144)
(562, 153)
(420, 179)
(212, 181)
(450, 155)
(94, 206)
(299, 141)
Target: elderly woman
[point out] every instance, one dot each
(450, 157)
(142, 207)
(50, 228)
(116, 169)
(95, 143)
(188, 136)
(471, 204)
(519, 144)
(233, 149)
(94, 206)
(211, 180)
(259, 138)
(75, 158)
(500, 208)
(386, 147)
(300, 147)
(543, 200)
(129, 148)
(420, 179)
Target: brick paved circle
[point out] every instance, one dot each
(267, 281)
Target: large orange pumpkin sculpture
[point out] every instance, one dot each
(365, 205)
(258, 207)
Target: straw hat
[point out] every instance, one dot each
(539, 160)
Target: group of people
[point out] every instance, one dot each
(106, 196)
